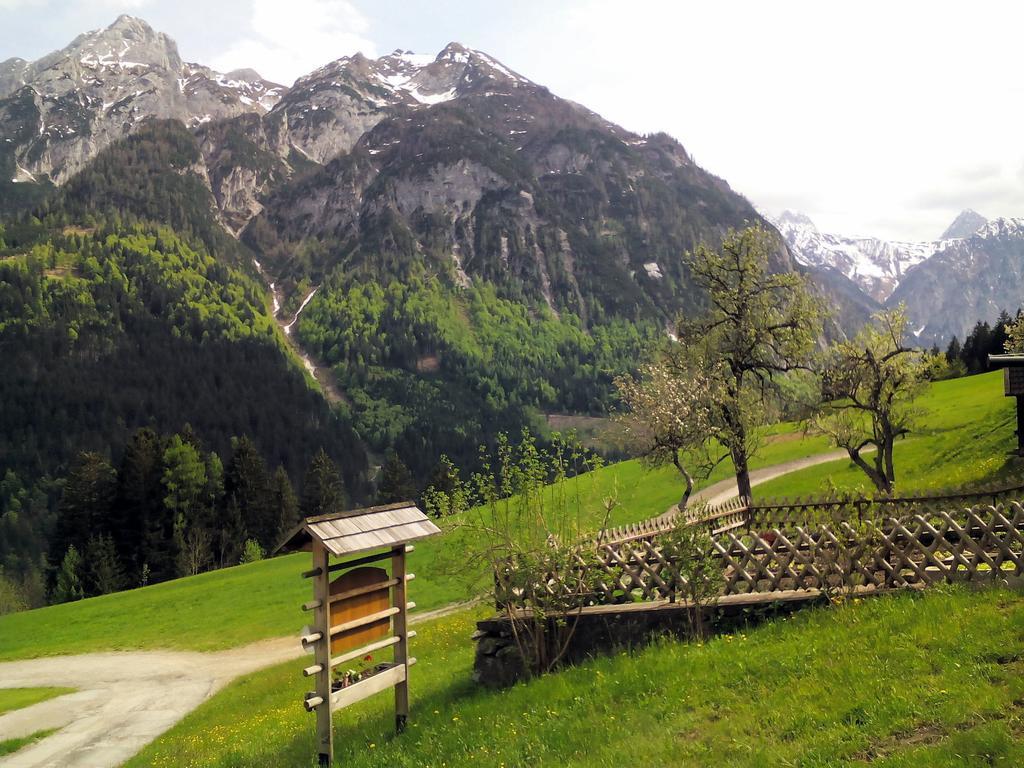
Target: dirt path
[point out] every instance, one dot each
(725, 490)
(126, 699)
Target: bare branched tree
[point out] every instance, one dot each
(528, 519)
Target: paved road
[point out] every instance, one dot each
(126, 699)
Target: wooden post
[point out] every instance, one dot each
(321, 593)
(401, 630)
(1020, 425)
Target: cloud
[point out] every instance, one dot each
(13, 5)
(856, 115)
(290, 39)
(119, 5)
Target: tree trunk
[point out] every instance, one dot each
(875, 475)
(689, 481)
(739, 461)
(890, 471)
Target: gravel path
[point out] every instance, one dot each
(724, 490)
(125, 699)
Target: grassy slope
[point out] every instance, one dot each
(966, 433)
(882, 679)
(261, 599)
(970, 426)
(17, 698)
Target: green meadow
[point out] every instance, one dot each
(965, 435)
(909, 680)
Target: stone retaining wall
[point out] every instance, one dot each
(603, 629)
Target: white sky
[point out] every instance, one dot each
(882, 118)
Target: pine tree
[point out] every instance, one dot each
(85, 505)
(231, 533)
(68, 586)
(247, 481)
(138, 518)
(954, 350)
(396, 483)
(323, 491)
(286, 506)
(103, 572)
(185, 483)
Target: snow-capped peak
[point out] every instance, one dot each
(965, 224)
(875, 265)
(1002, 227)
(413, 79)
(795, 219)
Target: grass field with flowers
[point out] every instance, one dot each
(899, 681)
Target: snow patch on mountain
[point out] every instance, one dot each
(877, 266)
(106, 82)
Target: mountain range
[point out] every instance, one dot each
(390, 261)
(971, 273)
(457, 151)
(448, 246)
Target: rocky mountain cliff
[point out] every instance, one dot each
(968, 279)
(459, 164)
(875, 265)
(58, 112)
(964, 225)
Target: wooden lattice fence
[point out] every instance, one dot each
(772, 513)
(827, 550)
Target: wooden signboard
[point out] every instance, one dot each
(353, 596)
(362, 611)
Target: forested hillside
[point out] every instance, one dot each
(109, 329)
(450, 248)
(433, 370)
